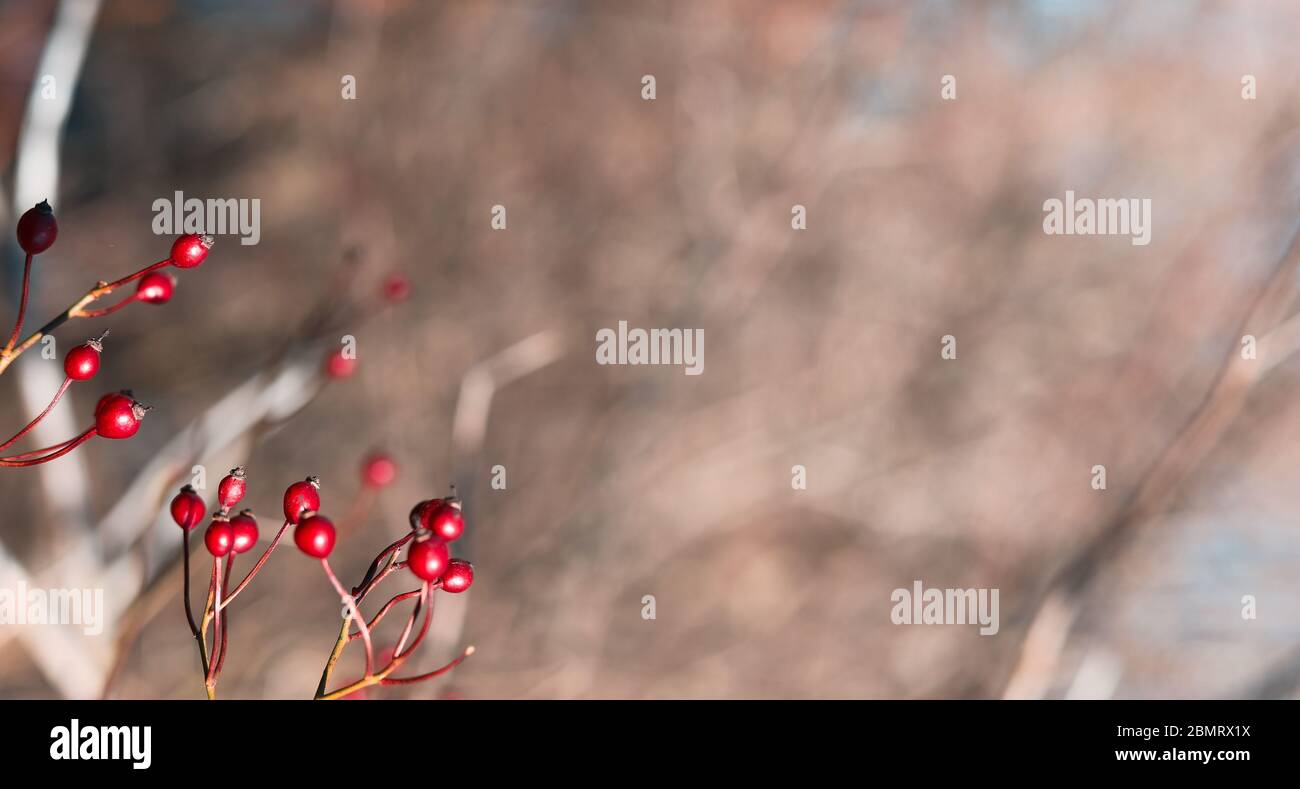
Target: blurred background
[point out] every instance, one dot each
(924, 219)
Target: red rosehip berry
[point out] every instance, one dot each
(314, 535)
(428, 557)
(243, 532)
(37, 229)
(187, 508)
(458, 576)
(119, 417)
(301, 497)
(445, 520)
(378, 471)
(397, 288)
(82, 362)
(339, 366)
(231, 489)
(113, 397)
(219, 537)
(420, 513)
(190, 250)
(156, 287)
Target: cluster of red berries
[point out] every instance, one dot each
(225, 534)
(437, 523)
(117, 415)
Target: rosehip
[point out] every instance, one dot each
(219, 537)
(231, 490)
(82, 362)
(445, 520)
(339, 366)
(314, 536)
(243, 528)
(119, 417)
(113, 397)
(420, 513)
(300, 497)
(378, 471)
(428, 557)
(156, 288)
(187, 508)
(37, 229)
(458, 576)
(190, 250)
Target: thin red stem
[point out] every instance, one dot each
(225, 624)
(110, 310)
(387, 571)
(22, 305)
(257, 567)
(351, 603)
(426, 602)
(68, 447)
(57, 396)
(216, 619)
(34, 452)
(370, 580)
(430, 675)
(384, 611)
(112, 286)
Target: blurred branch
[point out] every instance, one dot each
(1060, 603)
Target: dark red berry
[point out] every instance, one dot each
(378, 471)
(190, 250)
(37, 229)
(82, 362)
(300, 497)
(446, 521)
(187, 508)
(428, 557)
(243, 529)
(420, 513)
(231, 490)
(219, 537)
(339, 366)
(156, 288)
(314, 536)
(119, 417)
(458, 576)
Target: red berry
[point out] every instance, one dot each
(378, 471)
(300, 497)
(428, 558)
(187, 508)
(420, 513)
(339, 366)
(458, 576)
(314, 536)
(156, 288)
(219, 537)
(397, 288)
(113, 397)
(445, 520)
(231, 490)
(243, 529)
(119, 416)
(190, 250)
(82, 362)
(37, 229)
